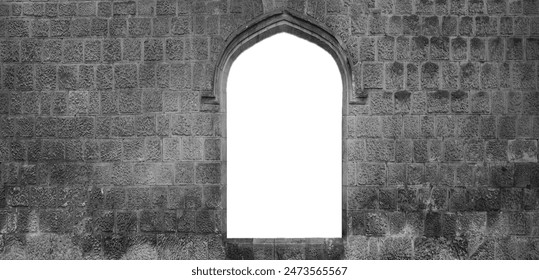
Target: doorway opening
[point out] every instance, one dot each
(284, 141)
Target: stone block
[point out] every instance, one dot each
(132, 49)
(532, 49)
(111, 150)
(523, 75)
(514, 49)
(495, 49)
(459, 102)
(402, 102)
(370, 174)
(367, 49)
(153, 149)
(373, 76)
(496, 150)
(73, 51)
(434, 148)
(412, 76)
(459, 48)
(133, 149)
(153, 50)
(427, 126)
(386, 48)
(103, 77)
(125, 76)
(420, 151)
(75, 127)
(403, 7)
(10, 51)
(449, 26)
(468, 126)
(67, 77)
(112, 50)
(380, 150)
(430, 75)
(180, 76)
(438, 101)
(145, 125)
(171, 149)
(161, 26)
(403, 151)
(99, 27)
(489, 76)
(109, 102)
(507, 127)
(431, 26)
(394, 75)
(396, 174)
(470, 76)
(191, 148)
(488, 127)
(402, 48)
(367, 126)
(77, 102)
(152, 101)
(208, 173)
(87, 78)
(410, 25)
(477, 49)
(381, 103)
(419, 48)
(485, 26)
(31, 50)
(80, 27)
(522, 150)
(165, 7)
(394, 26)
(193, 197)
(453, 150)
(175, 49)
(147, 75)
(17, 28)
(181, 25)
(130, 101)
(123, 126)
(439, 48)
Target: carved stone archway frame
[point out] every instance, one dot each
(260, 28)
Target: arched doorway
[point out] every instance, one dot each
(216, 101)
(284, 104)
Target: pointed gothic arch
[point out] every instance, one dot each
(255, 31)
(267, 25)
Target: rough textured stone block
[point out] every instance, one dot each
(180, 25)
(67, 77)
(449, 75)
(152, 101)
(439, 48)
(403, 102)
(123, 126)
(412, 76)
(410, 25)
(438, 101)
(402, 48)
(419, 48)
(125, 76)
(459, 102)
(373, 75)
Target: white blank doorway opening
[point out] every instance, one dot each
(284, 141)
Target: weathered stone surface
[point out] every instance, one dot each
(110, 147)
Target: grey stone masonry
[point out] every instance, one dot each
(112, 130)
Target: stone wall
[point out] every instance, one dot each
(108, 148)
